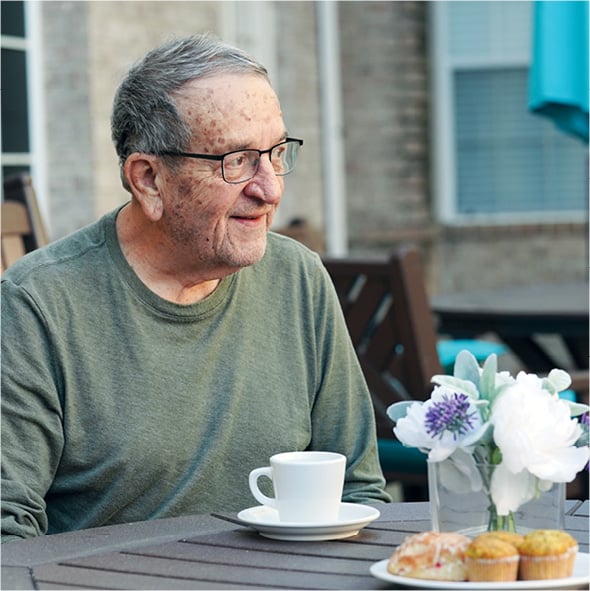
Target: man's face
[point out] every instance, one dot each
(215, 224)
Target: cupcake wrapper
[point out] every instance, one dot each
(492, 569)
(548, 567)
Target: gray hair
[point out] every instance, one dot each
(144, 117)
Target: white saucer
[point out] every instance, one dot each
(351, 519)
(579, 580)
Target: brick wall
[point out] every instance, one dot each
(488, 256)
(298, 88)
(70, 155)
(385, 101)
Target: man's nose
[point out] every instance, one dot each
(266, 179)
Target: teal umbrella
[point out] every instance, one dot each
(558, 78)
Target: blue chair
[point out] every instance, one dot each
(568, 395)
(449, 349)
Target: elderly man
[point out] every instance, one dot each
(154, 358)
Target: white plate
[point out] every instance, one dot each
(579, 579)
(351, 519)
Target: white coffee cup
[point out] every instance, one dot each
(307, 485)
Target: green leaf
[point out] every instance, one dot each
(577, 408)
(487, 380)
(559, 379)
(496, 456)
(398, 410)
(457, 384)
(466, 367)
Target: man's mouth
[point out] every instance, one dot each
(249, 219)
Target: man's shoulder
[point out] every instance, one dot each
(280, 246)
(59, 258)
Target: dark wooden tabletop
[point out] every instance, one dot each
(540, 306)
(518, 315)
(216, 552)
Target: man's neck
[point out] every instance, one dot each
(151, 267)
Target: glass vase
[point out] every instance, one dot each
(464, 505)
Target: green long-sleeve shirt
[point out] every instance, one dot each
(118, 405)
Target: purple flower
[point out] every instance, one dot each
(447, 421)
(453, 413)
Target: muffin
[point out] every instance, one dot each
(490, 558)
(431, 555)
(508, 536)
(547, 554)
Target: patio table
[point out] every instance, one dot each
(215, 552)
(518, 315)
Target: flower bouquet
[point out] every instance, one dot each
(485, 431)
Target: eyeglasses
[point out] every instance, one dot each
(241, 165)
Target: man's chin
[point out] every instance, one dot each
(245, 255)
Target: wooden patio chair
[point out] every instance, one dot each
(15, 226)
(22, 226)
(391, 325)
(393, 330)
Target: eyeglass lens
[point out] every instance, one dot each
(241, 166)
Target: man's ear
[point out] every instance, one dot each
(141, 171)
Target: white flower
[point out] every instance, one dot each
(535, 432)
(447, 421)
(503, 378)
(509, 491)
(513, 438)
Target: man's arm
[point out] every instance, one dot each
(343, 419)
(32, 436)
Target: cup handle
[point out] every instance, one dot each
(253, 482)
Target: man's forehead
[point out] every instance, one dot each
(227, 109)
(222, 88)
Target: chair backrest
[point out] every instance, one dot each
(15, 226)
(22, 226)
(388, 314)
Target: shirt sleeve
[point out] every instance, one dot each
(343, 419)
(32, 435)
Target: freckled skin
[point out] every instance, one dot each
(241, 111)
(209, 228)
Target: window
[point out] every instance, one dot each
(15, 107)
(494, 160)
